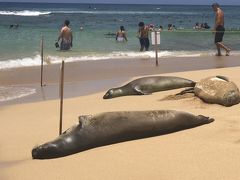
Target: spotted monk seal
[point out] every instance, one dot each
(217, 90)
(148, 85)
(114, 127)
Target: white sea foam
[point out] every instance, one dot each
(8, 93)
(25, 62)
(50, 59)
(126, 12)
(24, 13)
(122, 55)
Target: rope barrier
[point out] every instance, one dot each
(199, 31)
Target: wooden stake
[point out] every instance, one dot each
(156, 48)
(42, 61)
(61, 97)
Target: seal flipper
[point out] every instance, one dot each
(70, 129)
(84, 119)
(188, 90)
(223, 78)
(138, 90)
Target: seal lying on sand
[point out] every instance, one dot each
(114, 127)
(148, 85)
(217, 90)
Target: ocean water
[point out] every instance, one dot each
(21, 46)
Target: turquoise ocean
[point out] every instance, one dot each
(20, 45)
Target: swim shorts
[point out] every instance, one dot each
(65, 45)
(219, 34)
(144, 42)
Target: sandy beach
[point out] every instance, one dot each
(211, 151)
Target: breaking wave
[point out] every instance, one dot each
(124, 12)
(8, 93)
(53, 59)
(24, 13)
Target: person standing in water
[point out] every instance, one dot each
(219, 30)
(65, 36)
(143, 36)
(121, 35)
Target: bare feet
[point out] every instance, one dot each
(228, 52)
(217, 54)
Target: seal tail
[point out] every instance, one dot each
(188, 90)
(193, 84)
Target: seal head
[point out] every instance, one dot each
(114, 92)
(231, 98)
(45, 151)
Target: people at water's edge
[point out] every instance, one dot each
(143, 36)
(65, 36)
(219, 30)
(121, 35)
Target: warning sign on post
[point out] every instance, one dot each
(157, 40)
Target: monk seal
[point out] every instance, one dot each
(216, 90)
(148, 85)
(114, 127)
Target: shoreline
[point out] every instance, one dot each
(87, 77)
(121, 67)
(73, 56)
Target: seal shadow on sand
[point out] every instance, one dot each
(7, 164)
(238, 141)
(189, 98)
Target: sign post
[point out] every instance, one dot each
(155, 37)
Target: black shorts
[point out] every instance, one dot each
(144, 42)
(219, 34)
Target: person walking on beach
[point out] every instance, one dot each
(143, 36)
(219, 30)
(121, 35)
(65, 36)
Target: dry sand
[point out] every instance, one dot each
(207, 152)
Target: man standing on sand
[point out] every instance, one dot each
(219, 29)
(66, 36)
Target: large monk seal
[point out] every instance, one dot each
(148, 85)
(114, 127)
(217, 90)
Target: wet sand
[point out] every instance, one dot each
(83, 78)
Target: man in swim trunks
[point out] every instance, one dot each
(66, 36)
(143, 36)
(219, 30)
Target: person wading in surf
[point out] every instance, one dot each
(219, 30)
(65, 36)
